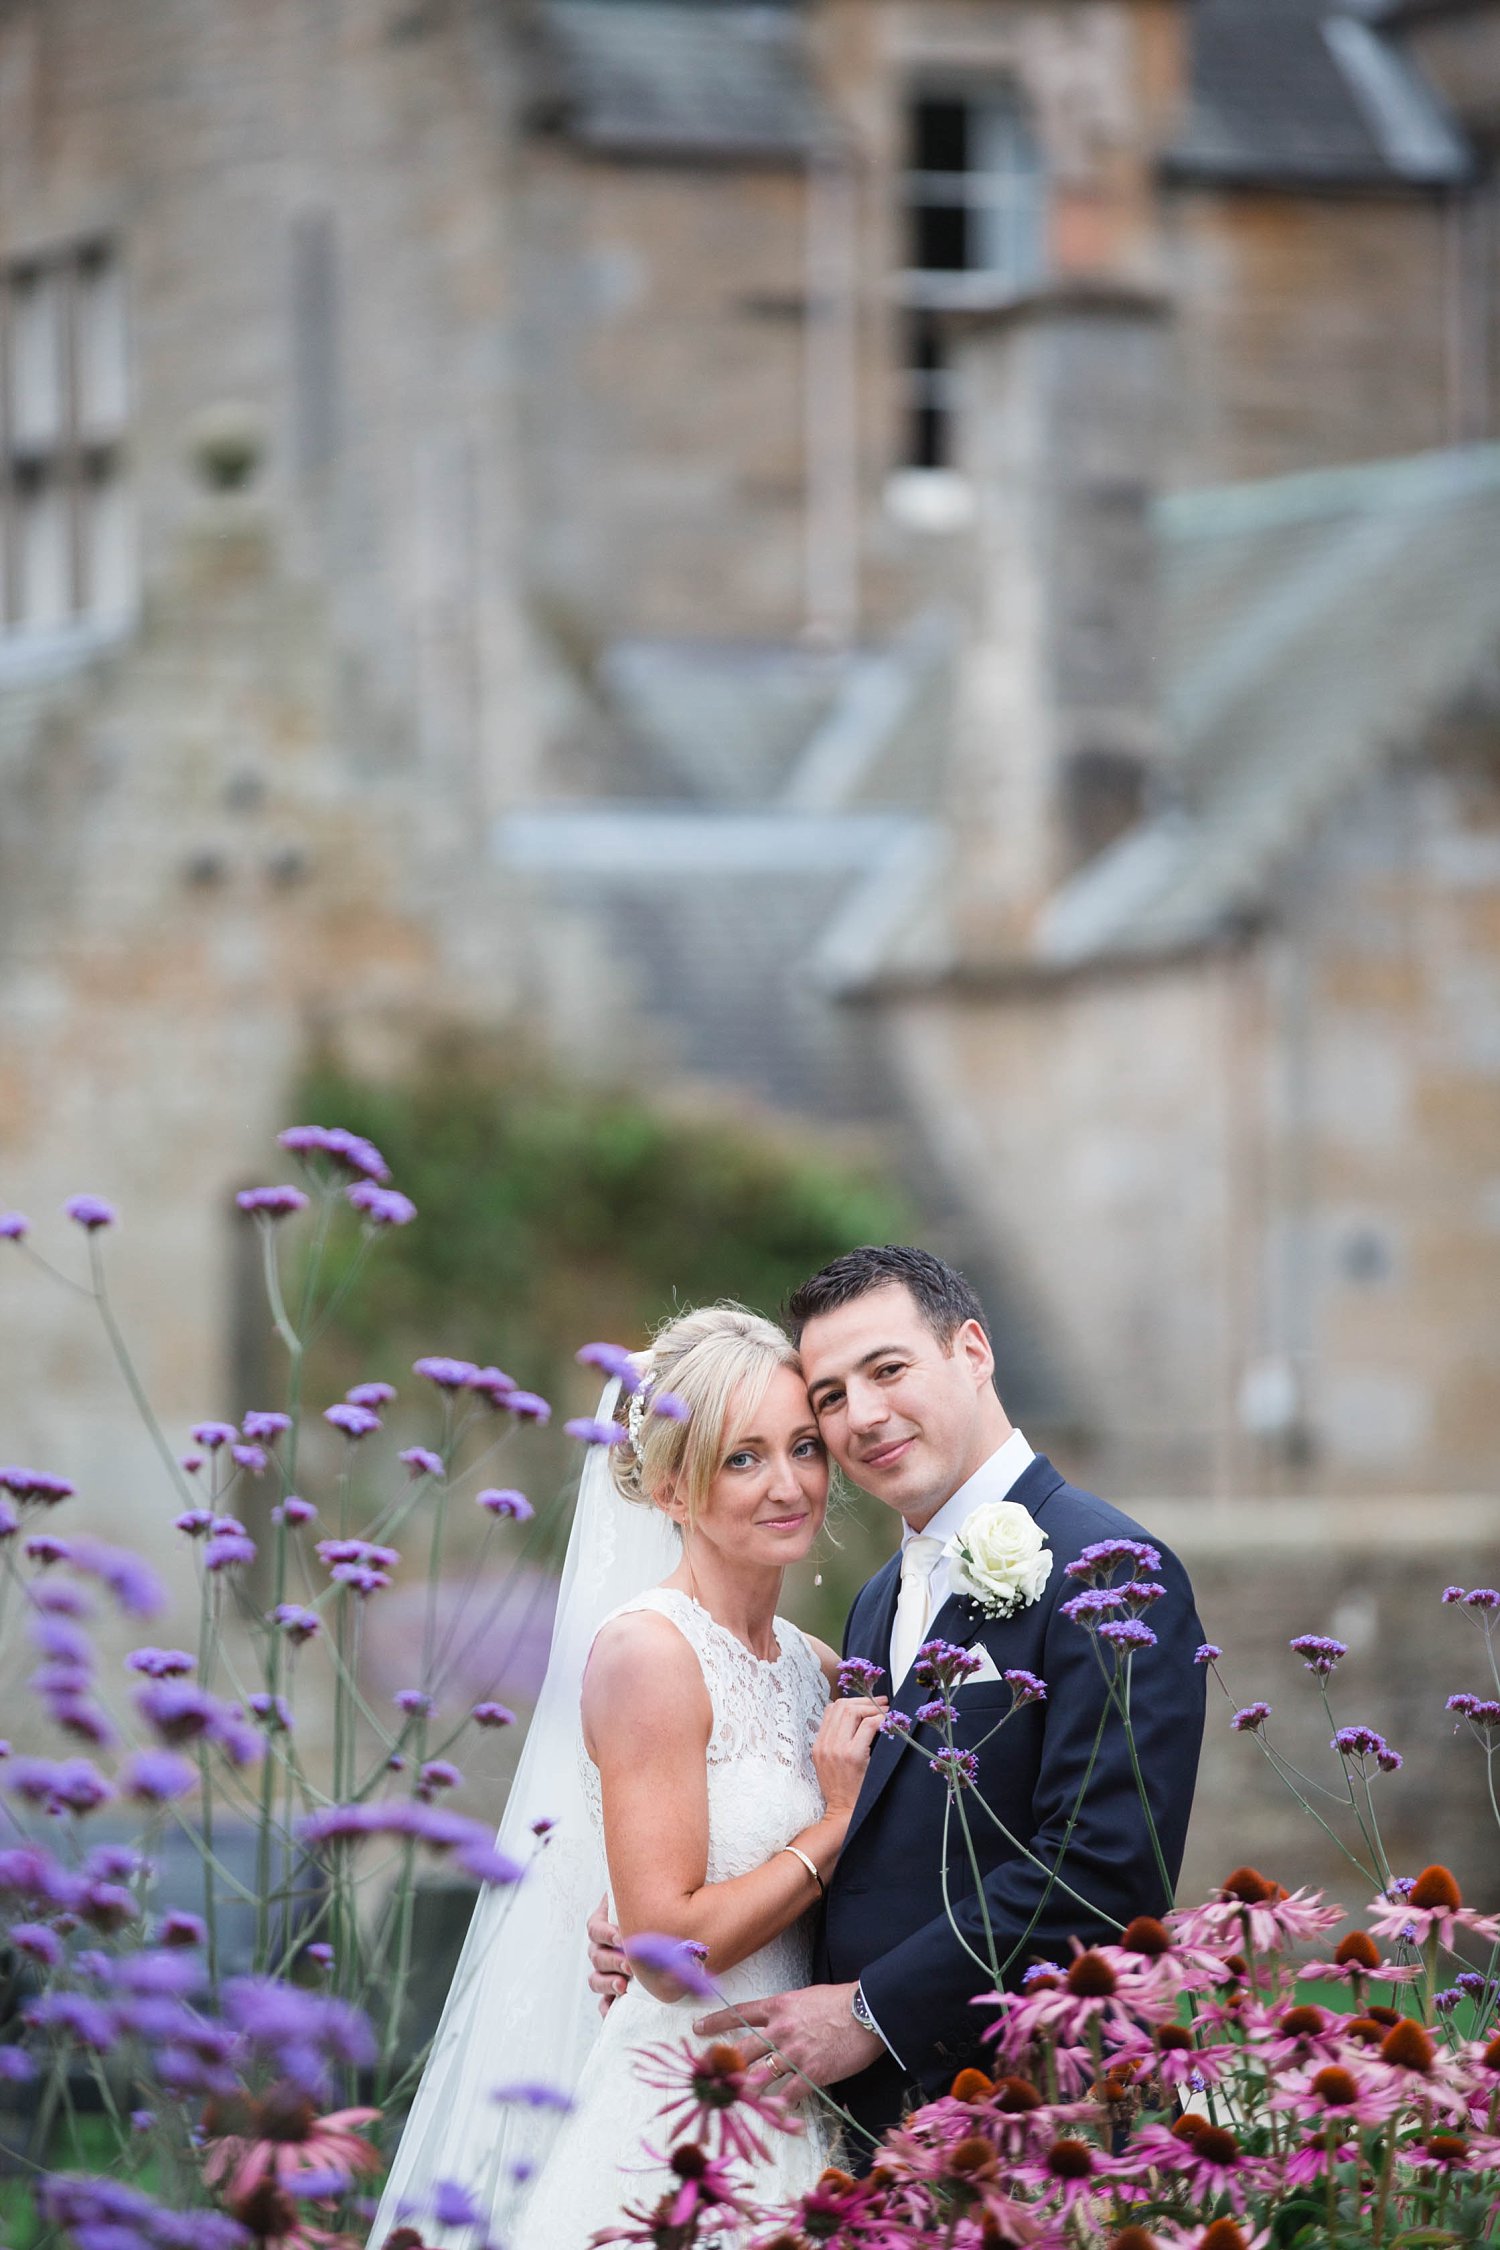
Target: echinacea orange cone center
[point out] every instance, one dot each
(1222, 2235)
(972, 2086)
(1407, 2047)
(1251, 1888)
(1435, 1892)
(1357, 1950)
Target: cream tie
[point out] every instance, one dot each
(919, 1559)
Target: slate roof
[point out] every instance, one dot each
(1308, 92)
(1316, 626)
(667, 78)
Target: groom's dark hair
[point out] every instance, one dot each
(939, 1291)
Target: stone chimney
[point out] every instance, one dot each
(1064, 404)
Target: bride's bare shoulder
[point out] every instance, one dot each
(637, 1649)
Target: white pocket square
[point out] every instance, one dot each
(987, 1669)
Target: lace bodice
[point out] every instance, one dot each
(762, 1787)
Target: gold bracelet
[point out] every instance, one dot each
(798, 1853)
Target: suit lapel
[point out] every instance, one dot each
(958, 1620)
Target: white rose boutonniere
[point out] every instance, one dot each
(999, 1559)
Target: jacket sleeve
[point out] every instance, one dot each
(922, 1991)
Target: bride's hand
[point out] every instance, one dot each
(841, 1750)
(609, 1971)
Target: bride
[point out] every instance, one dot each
(686, 1744)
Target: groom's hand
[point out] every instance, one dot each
(812, 2030)
(609, 1971)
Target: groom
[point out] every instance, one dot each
(900, 1371)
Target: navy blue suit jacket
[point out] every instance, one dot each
(885, 1921)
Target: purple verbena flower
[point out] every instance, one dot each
(1103, 1555)
(1482, 1712)
(350, 1150)
(263, 1425)
(250, 1458)
(14, 1226)
(1364, 1742)
(1095, 1601)
(360, 1577)
(333, 1551)
(943, 1664)
(297, 1623)
(422, 1461)
(17, 2067)
(294, 1510)
(493, 1385)
(492, 1715)
(858, 1676)
(179, 1929)
(527, 1407)
(194, 1521)
(155, 1777)
(413, 1701)
(380, 1206)
(670, 1407)
(1452, 1594)
(670, 1957)
(611, 1360)
(271, 1202)
(1318, 1652)
(227, 1550)
(447, 1374)
(895, 1722)
(1141, 1592)
(1208, 1652)
(76, 2017)
(134, 1584)
(502, 1501)
(1126, 1632)
(374, 1395)
(438, 1773)
(960, 1767)
(59, 1599)
(453, 2206)
(588, 1431)
(180, 1711)
(321, 1953)
(90, 1212)
(1027, 1687)
(58, 1785)
(1253, 1716)
(355, 1421)
(38, 1942)
(934, 1713)
(534, 2097)
(10, 1522)
(44, 1550)
(1483, 1598)
(214, 1434)
(273, 1711)
(35, 1486)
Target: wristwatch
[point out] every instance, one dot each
(859, 2008)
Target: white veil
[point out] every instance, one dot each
(519, 2012)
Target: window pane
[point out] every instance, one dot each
(939, 134)
(940, 238)
(1006, 237)
(109, 547)
(36, 361)
(103, 374)
(46, 575)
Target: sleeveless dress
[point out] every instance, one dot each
(762, 1789)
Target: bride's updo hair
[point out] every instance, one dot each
(717, 1359)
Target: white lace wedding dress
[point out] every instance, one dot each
(762, 1790)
